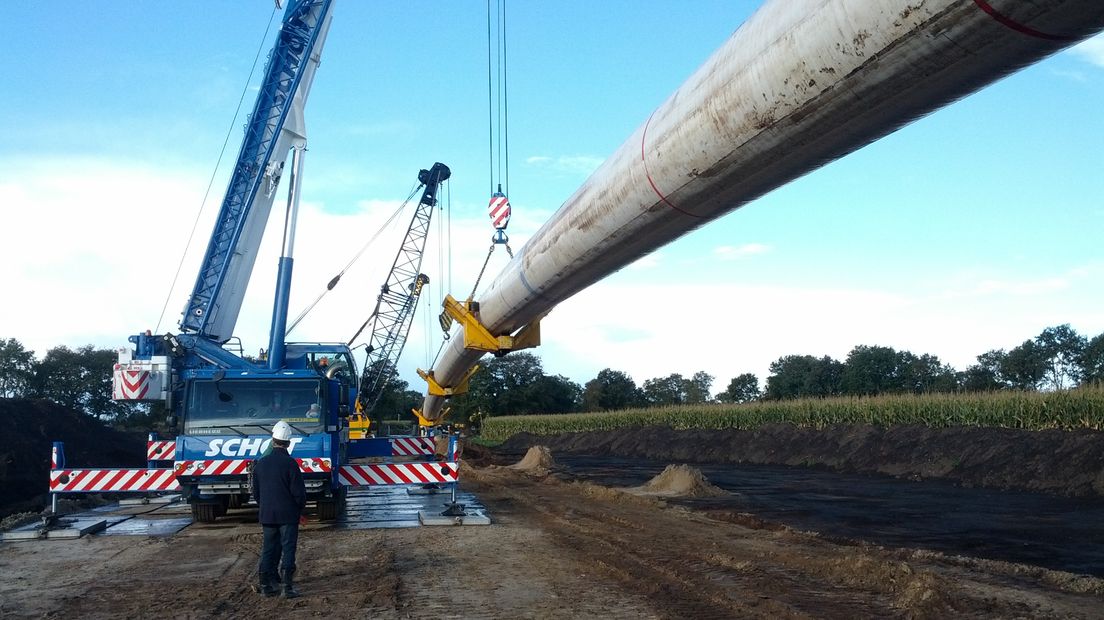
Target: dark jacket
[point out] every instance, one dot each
(278, 488)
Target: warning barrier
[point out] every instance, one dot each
(412, 446)
(161, 450)
(398, 473)
(111, 480)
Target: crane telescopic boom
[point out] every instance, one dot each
(275, 126)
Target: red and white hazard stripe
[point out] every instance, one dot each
(113, 480)
(412, 446)
(314, 466)
(499, 210)
(161, 450)
(130, 384)
(224, 467)
(232, 467)
(398, 473)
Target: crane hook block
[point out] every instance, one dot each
(478, 338)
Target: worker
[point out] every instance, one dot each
(280, 494)
(314, 411)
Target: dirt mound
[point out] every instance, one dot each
(679, 481)
(537, 459)
(27, 429)
(1069, 463)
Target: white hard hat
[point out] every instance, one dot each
(282, 431)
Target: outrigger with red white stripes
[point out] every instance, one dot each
(225, 404)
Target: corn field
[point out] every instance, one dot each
(1066, 410)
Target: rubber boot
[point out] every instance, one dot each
(288, 576)
(266, 585)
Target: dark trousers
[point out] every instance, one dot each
(278, 548)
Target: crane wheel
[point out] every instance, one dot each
(206, 512)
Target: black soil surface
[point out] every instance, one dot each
(1063, 463)
(28, 428)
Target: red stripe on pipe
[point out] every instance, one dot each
(648, 174)
(1017, 26)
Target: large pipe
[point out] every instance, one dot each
(801, 83)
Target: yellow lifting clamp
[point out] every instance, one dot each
(425, 422)
(476, 336)
(436, 389)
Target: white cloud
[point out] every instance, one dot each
(90, 248)
(1091, 50)
(727, 329)
(728, 252)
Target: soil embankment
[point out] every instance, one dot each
(1057, 462)
(28, 427)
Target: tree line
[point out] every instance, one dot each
(1058, 358)
(76, 378)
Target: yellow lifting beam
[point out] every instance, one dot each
(478, 338)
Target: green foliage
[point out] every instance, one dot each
(16, 369)
(1025, 366)
(515, 383)
(1092, 361)
(1070, 409)
(664, 390)
(611, 390)
(80, 380)
(801, 376)
(696, 389)
(742, 389)
(395, 398)
(985, 375)
(1062, 348)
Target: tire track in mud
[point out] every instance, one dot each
(690, 564)
(682, 581)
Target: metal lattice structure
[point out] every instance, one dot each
(399, 295)
(213, 306)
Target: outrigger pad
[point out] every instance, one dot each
(428, 489)
(469, 518)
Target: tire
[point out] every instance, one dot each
(327, 509)
(330, 506)
(205, 512)
(236, 501)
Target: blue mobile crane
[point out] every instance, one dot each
(225, 403)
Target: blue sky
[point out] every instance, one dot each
(971, 229)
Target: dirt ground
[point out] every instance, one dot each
(1067, 463)
(556, 549)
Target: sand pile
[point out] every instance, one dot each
(537, 459)
(679, 481)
